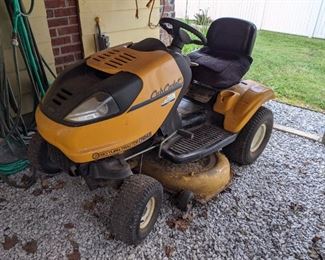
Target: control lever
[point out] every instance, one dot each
(194, 64)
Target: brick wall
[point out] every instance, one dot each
(64, 26)
(169, 7)
(169, 11)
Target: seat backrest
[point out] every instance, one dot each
(232, 35)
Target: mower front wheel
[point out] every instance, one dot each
(252, 139)
(38, 155)
(136, 208)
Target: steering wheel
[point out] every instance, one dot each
(180, 37)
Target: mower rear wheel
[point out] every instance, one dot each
(38, 155)
(136, 208)
(252, 139)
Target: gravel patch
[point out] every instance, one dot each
(299, 118)
(274, 209)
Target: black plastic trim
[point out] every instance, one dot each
(80, 82)
(173, 120)
(111, 168)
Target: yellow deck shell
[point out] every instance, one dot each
(205, 184)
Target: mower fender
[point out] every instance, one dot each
(239, 103)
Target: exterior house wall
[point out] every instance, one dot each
(117, 19)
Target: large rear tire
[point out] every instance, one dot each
(38, 155)
(252, 139)
(136, 208)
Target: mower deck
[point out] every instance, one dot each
(205, 178)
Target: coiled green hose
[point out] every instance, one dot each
(13, 167)
(19, 29)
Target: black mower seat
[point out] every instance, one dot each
(227, 56)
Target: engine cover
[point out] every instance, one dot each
(162, 82)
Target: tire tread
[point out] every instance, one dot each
(126, 206)
(239, 151)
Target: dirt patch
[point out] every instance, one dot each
(296, 207)
(108, 236)
(45, 184)
(37, 192)
(75, 254)
(169, 250)
(204, 214)
(91, 205)
(48, 187)
(181, 223)
(10, 242)
(98, 199)
(314, 251)
(27, 180)
(69, 226)
(58, 185)
(30, 247)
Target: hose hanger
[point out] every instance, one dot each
(151, 5)
(136, 9)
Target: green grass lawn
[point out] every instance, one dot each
(293, 66)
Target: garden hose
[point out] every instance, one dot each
(19, 28)
(13, 130)
(9, 125)
(13, 167)
(18, 116)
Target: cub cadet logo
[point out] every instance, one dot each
(121, 149)
(168, 88)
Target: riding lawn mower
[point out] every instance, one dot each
(143, 117)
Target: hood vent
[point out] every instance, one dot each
(111, 60)
(61, 96)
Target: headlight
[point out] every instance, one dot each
(97, 106)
